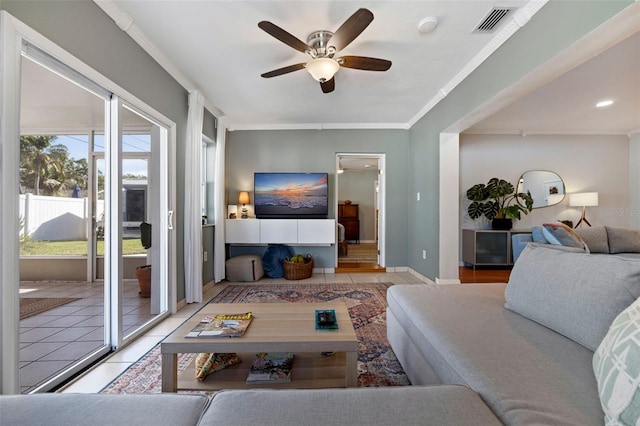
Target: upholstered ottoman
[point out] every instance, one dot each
(244, 268)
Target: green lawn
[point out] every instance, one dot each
(74, 248)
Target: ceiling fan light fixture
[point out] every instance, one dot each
(322, 69)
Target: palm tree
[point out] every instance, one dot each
(35, 159)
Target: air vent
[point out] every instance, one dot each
(493, 18)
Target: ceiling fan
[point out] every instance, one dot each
(322, 46)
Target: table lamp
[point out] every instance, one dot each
(584, 200)
(243, 198)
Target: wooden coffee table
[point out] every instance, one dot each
(277, 327)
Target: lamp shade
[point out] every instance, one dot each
(243, 197)
(322, 69)
(583, 199)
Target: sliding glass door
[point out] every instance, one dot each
(106, 152)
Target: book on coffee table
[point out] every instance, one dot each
(222, 325)
(273, 367)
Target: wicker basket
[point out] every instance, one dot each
(298, 271)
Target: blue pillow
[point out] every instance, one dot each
(538, 236)
(273, 258)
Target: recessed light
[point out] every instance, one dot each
(606, 103)
(366, 166)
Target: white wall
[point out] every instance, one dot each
(634, 180)
(585, 163)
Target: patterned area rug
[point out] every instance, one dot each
(30, 306)
(377, 364)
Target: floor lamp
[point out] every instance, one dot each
(584, 200)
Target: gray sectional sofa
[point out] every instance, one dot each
(526, 347)
(596, 240)
(409, 405)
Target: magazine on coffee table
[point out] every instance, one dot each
(222, 325)
(272, 367)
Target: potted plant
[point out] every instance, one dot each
(143, 273)
(498, 202)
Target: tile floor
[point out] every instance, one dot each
(102, 374)
(55, 339)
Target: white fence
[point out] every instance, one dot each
(56, 218)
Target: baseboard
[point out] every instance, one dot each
(446, 281)
(420, 276)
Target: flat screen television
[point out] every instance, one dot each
(291, 195)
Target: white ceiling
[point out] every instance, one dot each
(567, 104)
(219, 48)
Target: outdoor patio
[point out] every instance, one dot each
(53, 340)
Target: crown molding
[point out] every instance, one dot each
(318, 126)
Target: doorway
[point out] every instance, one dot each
(360, 212)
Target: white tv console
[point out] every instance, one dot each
(311, 232)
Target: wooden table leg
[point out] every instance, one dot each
(169, 372)
(352, 369)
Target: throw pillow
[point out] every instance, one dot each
(560, 234)
(623, 240)
(575, 294)
(537, 236)
(595, 238)
(616, 364)
(207, 363)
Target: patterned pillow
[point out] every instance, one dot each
(560, 234)
(616, 364)
(208, 363)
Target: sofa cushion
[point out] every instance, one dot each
(577, 295)
(623, 240)
(63, 409)
(595, 238)
(407, 405)
(616, 365)
(526, 373)
(560, 234)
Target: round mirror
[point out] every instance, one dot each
(547, 188)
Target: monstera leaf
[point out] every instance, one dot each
(494, 200)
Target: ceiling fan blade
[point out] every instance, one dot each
(329, 85)
(283, 36)
(284, 70)
(351, 29)
(364, 63)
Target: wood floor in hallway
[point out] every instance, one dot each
(470, 275)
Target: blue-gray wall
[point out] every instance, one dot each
(84, 30)
(315, 151)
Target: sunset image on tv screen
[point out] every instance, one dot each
(278, 194)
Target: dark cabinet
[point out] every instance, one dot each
(348, 217)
